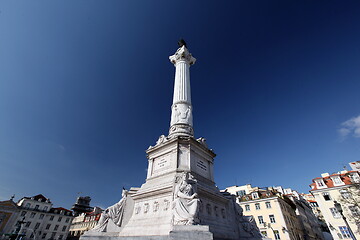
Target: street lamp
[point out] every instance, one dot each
(340, 210)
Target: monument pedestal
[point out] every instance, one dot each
(179, 200)
(199, 232)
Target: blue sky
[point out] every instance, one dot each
(86, 87)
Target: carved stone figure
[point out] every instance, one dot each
(202, 141)
(181, 113)
(166, 204)
(156, 206)
(146, 207)
(114, 213)
(246, 223)
(184, 115)
(161, 139)
(186, 201)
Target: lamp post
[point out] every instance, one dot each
(340, 210)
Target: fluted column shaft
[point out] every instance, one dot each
(181, 110)
(182, 92)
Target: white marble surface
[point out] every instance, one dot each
(181, 123)
(158, 209)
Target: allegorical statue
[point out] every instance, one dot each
(246, 223)
(186, 201)
(114, 213)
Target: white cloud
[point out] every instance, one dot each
(350, 127)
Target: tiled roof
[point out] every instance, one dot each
(37, 197)
(329, 182)
(60, 209)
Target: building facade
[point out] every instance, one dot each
(84, 222)
(37, 219)
(82, 205)
(9, 212)
(341, 188)
(279, 213)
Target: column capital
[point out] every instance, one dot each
(182, 54)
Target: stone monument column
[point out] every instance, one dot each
(181, 110)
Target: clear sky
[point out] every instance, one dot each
(86, 86)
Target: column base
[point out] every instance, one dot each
(181, 130)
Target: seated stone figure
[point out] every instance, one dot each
(114, 213)
(186, 201)
(246, 223)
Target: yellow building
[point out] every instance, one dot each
(84, 222)
(9, 212)
(276, 215)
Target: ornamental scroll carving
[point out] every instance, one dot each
(186, 200)
(182, 54)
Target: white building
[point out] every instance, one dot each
(342, 188)
(41, 220)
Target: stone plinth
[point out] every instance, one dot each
(199, 232)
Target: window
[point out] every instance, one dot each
(27, 205)
(264, 234)
(51, 218)
(247, 207)
(255, 195)
(272, 218)
(345, 194)
(345, 232)
(48, 226)
(53, 235)
(36, 207)
(32, 215)
(23, 213)
(59, 220)
(56, 227)
(63, 229)
(28, 224)
(241, 193)
(67, 220)
(268, 205)
(257, 206)
(60, 237)
(320, 183)
(337, 180)
(37, 226)
(276, 234)
(41, 216)
(354, 211)
(32, 235)
(326, 196)
(261, 219)
(45, 208)
(355, 178)
(335, 213)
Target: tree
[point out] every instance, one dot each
(350, 202)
